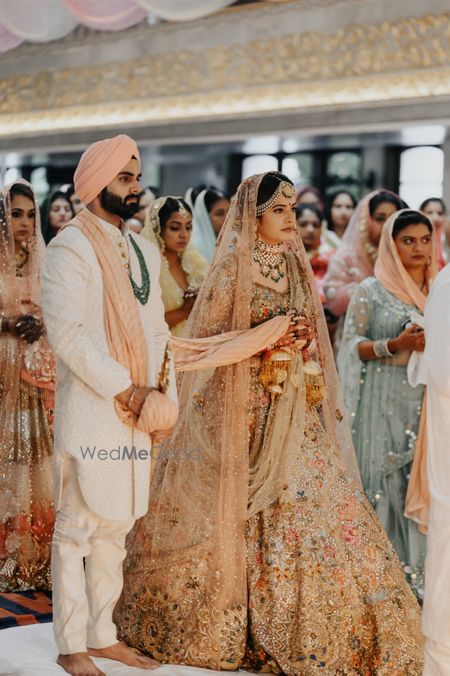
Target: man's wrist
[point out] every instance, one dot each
(125, 395)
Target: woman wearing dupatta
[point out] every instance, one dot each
(210, 210)
(27, 380)
(385, 410)
(260, 549)
(183, 268)
(355, 258)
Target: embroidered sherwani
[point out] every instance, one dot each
(96, 493)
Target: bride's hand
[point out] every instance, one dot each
(299, 335)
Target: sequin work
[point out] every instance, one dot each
(326, 593)
(26, 483)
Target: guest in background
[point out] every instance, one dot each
(57, 210)
(339, 207)
(310, 195)
(137, 222)
(309, 222)
(210, 210)
(27, 382)
(356, 256)
(77, 204)
(436, 210)
(183, 268)
(380, 334)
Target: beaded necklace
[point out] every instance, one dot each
(142, 292)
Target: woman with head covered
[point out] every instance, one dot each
(380, 334)
(105, 321)
(259, 549)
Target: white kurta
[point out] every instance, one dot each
(88, 377)
(436, 619)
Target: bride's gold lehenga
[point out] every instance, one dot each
(259, 549)
(325, 590)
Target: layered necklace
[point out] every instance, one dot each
(270, 259)
(141, 292)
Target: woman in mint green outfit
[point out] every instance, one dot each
(385, 410)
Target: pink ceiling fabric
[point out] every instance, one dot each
(46, 20)
(8, 40)
(109, 15)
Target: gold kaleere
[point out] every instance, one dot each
(274, 370)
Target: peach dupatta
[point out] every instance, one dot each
(232, 347)
(124, 329)
(391, 273)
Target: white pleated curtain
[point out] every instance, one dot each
(46, 20)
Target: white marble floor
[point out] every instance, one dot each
(30, 651)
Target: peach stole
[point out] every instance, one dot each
(232, 347)
(124, 330)
(390, 272)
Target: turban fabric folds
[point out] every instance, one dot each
(101, 163)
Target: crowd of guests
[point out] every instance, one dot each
(373, 263)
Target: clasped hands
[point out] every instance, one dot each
(299, 335)
(28, 327)
(133, 399)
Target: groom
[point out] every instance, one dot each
(105, 321)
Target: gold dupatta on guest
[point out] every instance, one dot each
(27, 383)
(18, 360)
(391, 274)
(188, 554)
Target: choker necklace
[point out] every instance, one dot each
(270, 259)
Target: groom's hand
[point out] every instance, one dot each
(136, 401)
(133, 398)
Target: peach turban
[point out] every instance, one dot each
(101, 163)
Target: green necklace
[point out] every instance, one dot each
(141, 292)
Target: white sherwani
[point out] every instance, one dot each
(88, 377)
(436, 619)
(100, 487)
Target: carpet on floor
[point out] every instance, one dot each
(21, 608)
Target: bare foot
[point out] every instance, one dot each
(123, 653)
(79, 664)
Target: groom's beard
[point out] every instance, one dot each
(124, 208)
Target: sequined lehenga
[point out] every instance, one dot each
(26, 501)
(325, 590)
(259, 549)
(27, 378)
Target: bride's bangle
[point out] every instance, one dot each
(381, 349)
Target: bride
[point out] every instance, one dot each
(259, 549)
